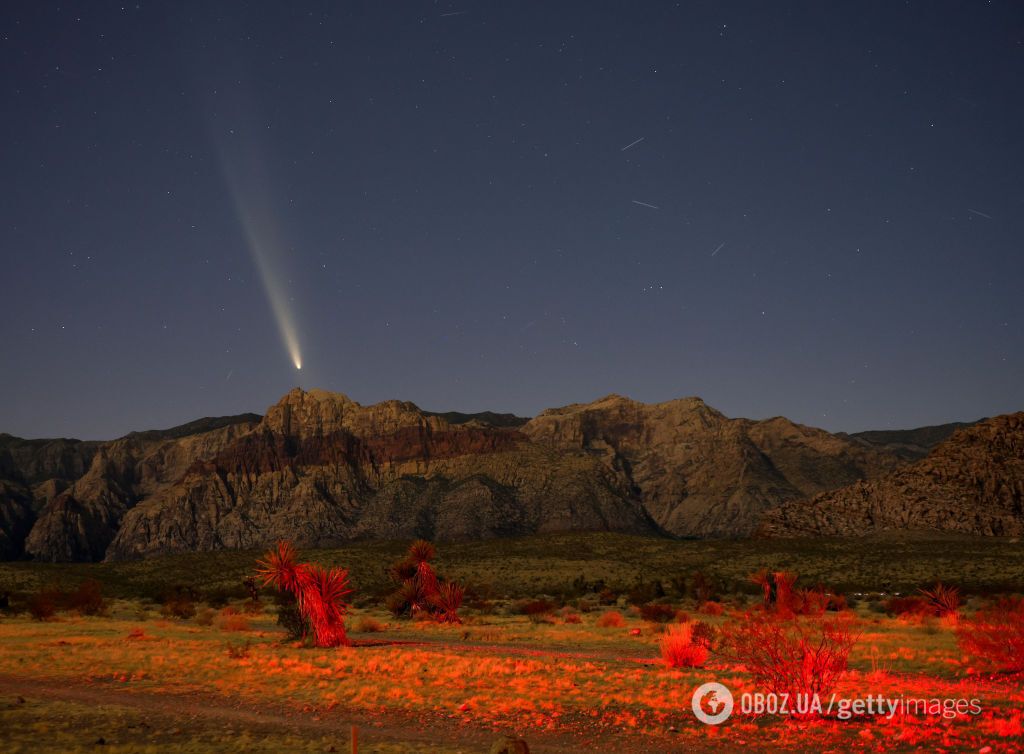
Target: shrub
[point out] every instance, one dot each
(368, 625)
(572, 618)
(644, 592)
(611, 619)
(229, 620)
(536, 610)
(42, 605)
(838, 602)
(702, 587)
(703, 633)
(712, 608)
(180, 606)
(679, 650)
(88, 598)
(178, 602)
(682, 616)
(607, 597)
(994, 635)
(779, 594)
(205, 616)
(657, 612)
(904, 607)
(798, 657)
(290, 619)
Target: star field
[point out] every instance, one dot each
(812, 211)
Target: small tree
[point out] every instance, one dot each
(320, 594)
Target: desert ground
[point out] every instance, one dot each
(558, 645)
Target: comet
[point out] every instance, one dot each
(248, 181)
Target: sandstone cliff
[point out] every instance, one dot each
(973, 482)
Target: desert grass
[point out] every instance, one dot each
(579, 681)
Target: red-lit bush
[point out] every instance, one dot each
(320, 594)
(43, 604)
(538, 611)
(799, 657)
(679, 649)
(912, 606)
(611, 619)
(88, 598)
(703, 633)
(657, 612)
(781, 596)
(994, 635)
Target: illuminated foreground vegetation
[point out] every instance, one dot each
(588, 669)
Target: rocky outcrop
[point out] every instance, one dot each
(34, 461)
(973, 483)
(78, 521)
(32, 472)
(321, 469)
(699, 473)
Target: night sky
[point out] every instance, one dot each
(806, 209)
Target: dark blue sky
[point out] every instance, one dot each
(443, 203)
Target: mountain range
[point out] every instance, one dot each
(320, 469)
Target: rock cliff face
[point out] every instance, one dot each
(73, 516)
(321, 468)
(699, 473)
(973, 482)
(32, 472)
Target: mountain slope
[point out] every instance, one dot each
(972, 482)
(699, 473)
(321, 468)
(910, 444)
(63, 499)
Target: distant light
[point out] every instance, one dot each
(298, 365)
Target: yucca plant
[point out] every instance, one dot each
(447, 600)
(320, 594)
(944, 600)
(419, 589)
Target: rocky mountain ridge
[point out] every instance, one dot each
(320, 469)
(972, 482)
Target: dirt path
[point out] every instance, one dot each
(184, 709)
